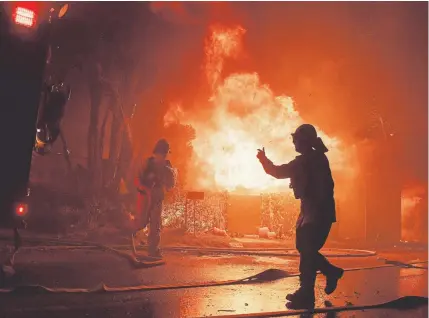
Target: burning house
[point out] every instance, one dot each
(244, 114)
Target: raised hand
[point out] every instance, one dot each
(261, 154)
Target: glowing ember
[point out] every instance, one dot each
(244, 115)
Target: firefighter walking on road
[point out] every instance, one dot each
(312, 183)
(155, 176)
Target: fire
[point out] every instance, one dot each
(244, 115)
(222, 43)
(412, 208)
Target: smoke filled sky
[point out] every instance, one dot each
(340, 61)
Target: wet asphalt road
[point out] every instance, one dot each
(88, 268)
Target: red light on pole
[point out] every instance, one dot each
(21, 209)
(24, 16)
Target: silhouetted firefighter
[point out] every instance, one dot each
(312, 183)
(155, 175)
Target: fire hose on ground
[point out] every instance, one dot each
(271, 252)
(262, 277)
(265, 276)
(402, 303)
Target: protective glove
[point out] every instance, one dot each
(261, 155)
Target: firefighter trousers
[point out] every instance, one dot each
(310, 238)
(149, 213)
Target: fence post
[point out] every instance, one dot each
(193, 196)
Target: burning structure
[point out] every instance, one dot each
(243, 115)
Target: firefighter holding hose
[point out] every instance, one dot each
(155, 176)
(312, 183)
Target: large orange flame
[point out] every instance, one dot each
(244, 115)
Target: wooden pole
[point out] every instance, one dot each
(186, 214)
(195, 233)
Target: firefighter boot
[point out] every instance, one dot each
(295, 295)
(332, 279)
(304, 297)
